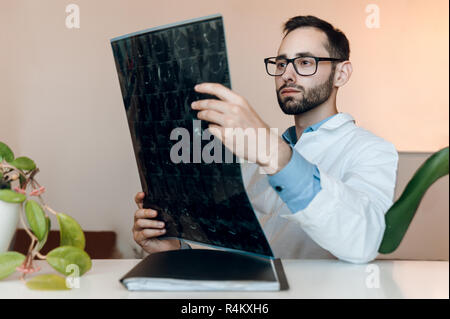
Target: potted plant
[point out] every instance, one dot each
(21, 200)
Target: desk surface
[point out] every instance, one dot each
(307, 279)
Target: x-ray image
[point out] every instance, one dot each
(200, 200)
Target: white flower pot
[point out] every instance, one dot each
(9, 217)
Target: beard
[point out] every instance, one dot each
(310, 98)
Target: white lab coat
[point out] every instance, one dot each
(346, 218)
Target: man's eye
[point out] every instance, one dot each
(281, 64)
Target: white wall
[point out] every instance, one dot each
(61, 103)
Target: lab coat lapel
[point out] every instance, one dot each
(311, 145)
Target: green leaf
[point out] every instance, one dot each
(9, 261)
(70, 232)
(47, 282)
(10, 196)
(61, 257)
(6, 153)
(23, 163)
(400, 215)
(44, 240)
(36, 219)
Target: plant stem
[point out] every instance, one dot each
(40, 256)
(49, 209)
(30, 250)
(5, 165)
(32, 173)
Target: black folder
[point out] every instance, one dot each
(205, 270)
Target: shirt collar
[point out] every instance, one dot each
(290, 135)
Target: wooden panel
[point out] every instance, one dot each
(99, 245)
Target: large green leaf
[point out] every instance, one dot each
(61, 257)
(44, 240)
(70, 232)
(47, 282)
(10, 196)
(9, 261)
(6, 153)
(36, 219)
(400, 215)
(23, 163)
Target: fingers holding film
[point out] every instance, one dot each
(146, 213)
(219, 90)
(139, 199)
(149, 223)
(211, 104)
(149, 233)
(212, 116)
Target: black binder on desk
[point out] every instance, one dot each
(205, 270)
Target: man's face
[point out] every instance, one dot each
(298, 94)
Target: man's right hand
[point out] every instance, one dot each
(146, 229)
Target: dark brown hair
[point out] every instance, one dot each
(338, 45)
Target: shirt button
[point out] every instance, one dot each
(279, 188)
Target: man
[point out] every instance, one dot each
(329, 183)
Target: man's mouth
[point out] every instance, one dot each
(289, 91)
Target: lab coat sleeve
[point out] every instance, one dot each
(347, 216)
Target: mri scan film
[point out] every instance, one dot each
(199, 199)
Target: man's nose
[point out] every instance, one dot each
(289, 74)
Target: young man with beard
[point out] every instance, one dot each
(329, 183)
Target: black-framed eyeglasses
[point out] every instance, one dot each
(305, 65)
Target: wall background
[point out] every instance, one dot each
(61, 103)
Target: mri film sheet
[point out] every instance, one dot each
(199, 200)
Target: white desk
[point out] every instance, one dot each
(307, 279)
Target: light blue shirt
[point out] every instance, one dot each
(299, 181)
